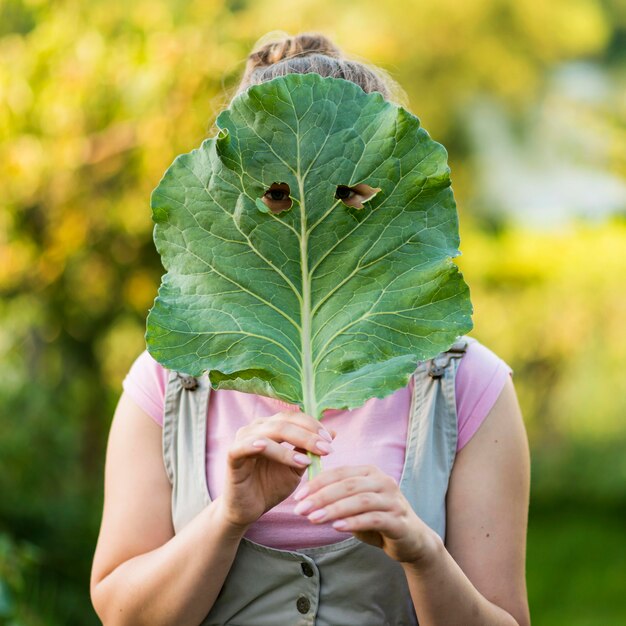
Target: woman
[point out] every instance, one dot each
(420, 512)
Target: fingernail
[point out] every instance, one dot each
(259, 443)
(317, 515)
(340, 524)
(303, 491)
(303, 507)
(325, 435)
(303, 459)
(323, 446)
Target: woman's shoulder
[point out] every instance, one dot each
(479, 381)
(481, 359)
(145, 383)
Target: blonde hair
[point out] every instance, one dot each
(277, 54)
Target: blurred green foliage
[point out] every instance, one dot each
(97, 98)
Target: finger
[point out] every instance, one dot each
(241, 451)
(269, 449)
(342, 489)
(304, 420)
(346, 507)
(283, 431)
(328, 477)
(376, 521)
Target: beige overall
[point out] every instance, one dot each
(348, 583)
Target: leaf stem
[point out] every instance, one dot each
(316, 465)
(308, 386)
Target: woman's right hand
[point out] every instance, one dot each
(260, 471)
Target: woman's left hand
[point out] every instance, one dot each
(365, 501)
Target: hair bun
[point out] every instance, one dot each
(278, 53)
(298, 45)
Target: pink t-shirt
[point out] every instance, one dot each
(374, 433)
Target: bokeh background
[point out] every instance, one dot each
(96, 100)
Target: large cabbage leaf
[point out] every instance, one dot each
(323, 305)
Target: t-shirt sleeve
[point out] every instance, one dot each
(145, 383)
(479, 380)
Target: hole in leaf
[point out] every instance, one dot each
(356, 195)
(276, 198)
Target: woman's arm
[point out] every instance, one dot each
(478, 577)
(142, 573)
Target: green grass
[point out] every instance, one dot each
(576, 564)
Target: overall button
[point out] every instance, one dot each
(307, 570)
(303, 604)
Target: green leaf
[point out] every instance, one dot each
(323, 305)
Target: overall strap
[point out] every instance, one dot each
(438, 364)
(184, 444)
(432, 436)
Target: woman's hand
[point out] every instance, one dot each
(368, 503)
(260, 471)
